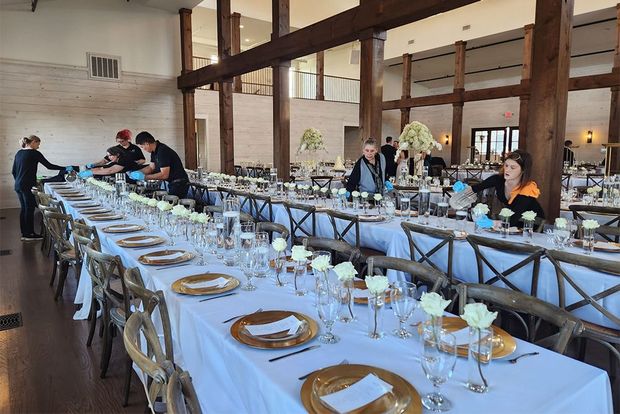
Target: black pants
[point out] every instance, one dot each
(178, 188)
(26, 216)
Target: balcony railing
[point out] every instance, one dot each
(302, 85)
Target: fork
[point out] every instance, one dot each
(516, 359)
(241, 316)
(303, 377)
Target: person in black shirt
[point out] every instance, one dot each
(165, 165)
(389, 152)
(132, 153)
(25, 174)
(368, 174)
(118, 163)
(569, 154)
(514, 186)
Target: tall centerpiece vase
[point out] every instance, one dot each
(346, 298)
(232, 230)
(376, 304)
(479, 358)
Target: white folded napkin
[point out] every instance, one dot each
(358, 394)
(128, 227)
(290, 324)
(360, 293)
(171, 256)
(139, 242)
(220, 282)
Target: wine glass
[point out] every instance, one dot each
(170, 228)
(328, 306)
(248, 261)
(438, 360)
(402, 298)
(261, 255)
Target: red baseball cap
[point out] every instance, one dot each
(124, 134)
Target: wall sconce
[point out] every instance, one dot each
(447, 139)
(589, 137)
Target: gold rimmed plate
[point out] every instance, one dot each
(140, 241)
(602, 246)
(95, 210)
(371, 218)
(399, 213)
(166, 257)
(77, 197)
(105, 217)
(360, 284)
(511, 230)
(187, 285)
(402, 398)
(86, 204)
(290, 267)
(307, 331)
(123, 228)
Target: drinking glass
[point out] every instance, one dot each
(261, 256)
(170, 228)
(442, 214)
(211, 237)
(561, 235)
(424, 206)
(328, 306)
(219, 226)
(247, 261)
(300, 277)
(247, 236)
(588, 240)
(405, 205)
(438, 360)
(461, 219)
(403, 300)
(390, 208)
(231, 230)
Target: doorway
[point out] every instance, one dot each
(352, 145)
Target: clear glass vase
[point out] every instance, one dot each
(376, 303)
(300, 276)
(346, 298)
(479, 358)
(588, 241)
(528, 230)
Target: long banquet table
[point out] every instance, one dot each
(232, 378)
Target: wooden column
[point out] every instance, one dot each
(227, 141)
(320, 76)
(548, 98)
(526, 74)
(371, 84)
(281, 100)
(406, 89)
(457, 107)
(189, 111)
(235, 46)
(614, 109)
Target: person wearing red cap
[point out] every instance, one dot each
(131, 152)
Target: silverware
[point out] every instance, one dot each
(516, 359)
(171, 266)
(241, 316)
(303, 377)
(308, 348)
(217, 297)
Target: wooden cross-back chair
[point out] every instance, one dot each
(181, 395)
(403, 190)
(443, 238)
(323, 181)
(159, 194)
(565, 264)
(48, 242)
(83, 234)
(270, 227)
(200, 195)
(238, 170)
(345, 226)
(451, 173)
(255, 172)
(520, 303)
(610, 214)
(473, 173)
(172, 199)
(566, 181)
(299, 224)
(243, 216)
(60, 225)
(595, 179)
(261, 207)
(188, 203)
(420, 274)
(341, 251)
(245, 201)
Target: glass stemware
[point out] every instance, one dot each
(438, 361)
(261, 256)
(328, 306)
(170, 228)
(403, 299)
(247, 265)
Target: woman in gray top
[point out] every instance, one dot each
(369, 171)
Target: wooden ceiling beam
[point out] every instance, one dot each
(333, 31)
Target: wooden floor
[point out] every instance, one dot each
(45, 366)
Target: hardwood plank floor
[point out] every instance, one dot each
(45, 366)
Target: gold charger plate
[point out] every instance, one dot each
(238, 331)
(152, 258)
(511, 230)
(601, 246)
(123, 228)
(289, 267)
(360, 284)
(403, 398)
(133, 241)
(95, 210)
(371, 218)
(180, 286)
(399, 213)
(86, 204)
(504, 343)
(77, 197)
(105, 217)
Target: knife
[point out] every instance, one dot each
(308, 348)
(216, 297)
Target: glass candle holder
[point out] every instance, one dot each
(376, 303)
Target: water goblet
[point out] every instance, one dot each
(261, 256)
(438, 361)
(403, 299)
(328, 306)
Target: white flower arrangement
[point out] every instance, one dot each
(180, 211)
(279, 244)
(315, 188)
(478, 316)
(321, 263)
(590, 224)
(481, 209)
(342, 191)
(334, 191)
(152, 202)
(324, 190)
(433, 304)
(594, 190)
(506, 213)
(355, 194)
(364, 195)
(132, 196)
(164, 205)
(345, 271)
(529, 216)
(203, 218)
(376, 284)
(561, 223)
(194, 216)
(311, 141)
(300, 254)
(378, 197)
(418, 138)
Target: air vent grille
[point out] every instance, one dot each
(104, 67)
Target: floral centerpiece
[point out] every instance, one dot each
(311, 141)
(479, 319)
(417, 139)
(377, 285)
(346, 272)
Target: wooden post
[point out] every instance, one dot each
(526, 74)
(281, 100)
(457, 107)
(614, 108)
(320, 76)
(235, 46)
(548, 98)
(189, 111)
(227, 140)
(371, 77)
(406, 89)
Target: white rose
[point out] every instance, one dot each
(355, 194)
(529, 216)
(179, 210)
(299, 253)
(560, 223)
(506, 213)
(433, 304)
(334, 191)
(378, 197)
(152, 202)
(324, 190)
(315, 188)
(403, 146)
(345, 271)
(321, 263)
(279, 244)
(164, 205)
(194, 216)
(590, 224)
(481, 209)
(478, 316)
(203, 218)
(376, 284)
(364, 194)
(342, 191)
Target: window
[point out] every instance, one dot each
(492, 143)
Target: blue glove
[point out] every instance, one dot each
(458, 187)
(348, 194)
(484, 222)
(389, 186)
(85, 174)
(68, 168)
(91, 165)
(136, 175)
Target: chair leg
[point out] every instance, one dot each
(107, 349)
(582, 349)
(54, 269)
(62, 276)
(128, 370)
(93, 321)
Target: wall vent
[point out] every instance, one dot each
(410, 42)
(104, 67)
(466, 27)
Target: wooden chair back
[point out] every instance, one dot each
(261, 207)
(452, 174)
(444, 238)
(159, 194)
(243, 216)
(595, 179)
(341, 251)
(109, 268)
(323, 181)
(607, 216)
(271, 227)
(420, 274)
(172, 199)
(238, 170)
(181, 395)
(566, 181)
(520, 303)
(189, 203)
(298, 224)
(473, 173)
(60, 226)
(344, 224)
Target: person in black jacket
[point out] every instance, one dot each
(118, 163)
(131, 152)
(514, 186)
(389, 152)
(25, 174)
